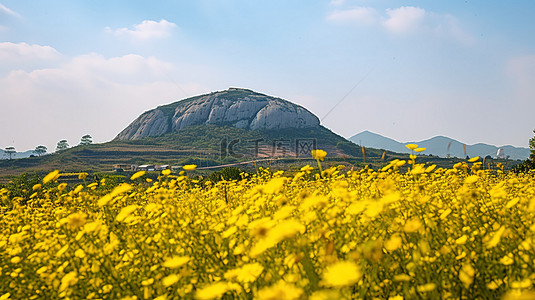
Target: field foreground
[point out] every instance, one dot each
(426, 233)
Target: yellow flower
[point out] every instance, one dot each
(281, 231)
(343, 273)
(120, 189)
(462, 240)
(507, 260)
(318, 154)
(281, 290)
(402, 277)
(166, 172)
(496, 237)
(307, 169)
(76, 220)
(79, 253)
(51, 176)
(430, 168)
(62, 250)
(170, 280)
(412, 225)
(137, 175)
(466, 274)
(474, 159)
(426, 287)
(78, 189)
(232, 230)
(493, 285)
(62, 186)
(212, 291)
(274, 186)
(400, 163)
(68, 280)
(247, 273)
(189, 167)
(393, 243)
(471, 179)
(5, 296)
(125, 212)
(325, 295)
(411, 146)
(176, 262)
(419, 149)
(519, 295)
(524, 284)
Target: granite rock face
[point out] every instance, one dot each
(235, 107)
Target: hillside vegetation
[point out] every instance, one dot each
(202, 144)
(201, 141)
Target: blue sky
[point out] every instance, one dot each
(463, 69)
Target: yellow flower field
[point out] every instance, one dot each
(426, 233)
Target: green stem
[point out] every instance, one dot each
(319, 167)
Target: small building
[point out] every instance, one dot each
(162, 167)
(124, 167)
(146, 168)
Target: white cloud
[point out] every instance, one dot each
(408, 20)
(146, 30)
(405, 19)
(5, 10)
(23, 56)
(87, 94)
(22, 52)
(366, 15)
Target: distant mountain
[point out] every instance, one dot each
(4, 155)
(440, 145)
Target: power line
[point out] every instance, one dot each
(347, 94)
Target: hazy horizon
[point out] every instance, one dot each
(408, 71)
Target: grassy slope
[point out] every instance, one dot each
(167, 149)
(198, 141)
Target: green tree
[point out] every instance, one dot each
(40, 150)
(528, 164)
(532, 145)
(62, 145)
(86, 140)
(10, 151)
(22, 186)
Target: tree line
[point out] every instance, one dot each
(40, 150)
(528, 164)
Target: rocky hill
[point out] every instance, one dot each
(236, 107)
